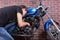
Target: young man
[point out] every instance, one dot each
(13, 12)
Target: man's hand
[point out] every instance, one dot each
(27, 24)
(24, 24)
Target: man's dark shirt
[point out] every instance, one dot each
(8, 14)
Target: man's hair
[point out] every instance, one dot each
(23, 6)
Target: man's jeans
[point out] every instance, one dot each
(5, 32)
(10, 27)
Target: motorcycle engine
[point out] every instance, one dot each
(28, 30)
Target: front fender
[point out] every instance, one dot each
(46, 25)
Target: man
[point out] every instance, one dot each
(13, 12)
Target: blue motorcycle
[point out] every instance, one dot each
(34, 16)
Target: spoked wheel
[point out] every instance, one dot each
(53, 33)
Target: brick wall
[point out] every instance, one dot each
(53, 10)
(18, 2)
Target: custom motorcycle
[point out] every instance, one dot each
(34, 15)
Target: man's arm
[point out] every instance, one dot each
(21, 23)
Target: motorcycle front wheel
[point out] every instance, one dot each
(51, 31)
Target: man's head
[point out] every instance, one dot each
(24, 9)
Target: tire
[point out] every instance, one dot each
(52, 31)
